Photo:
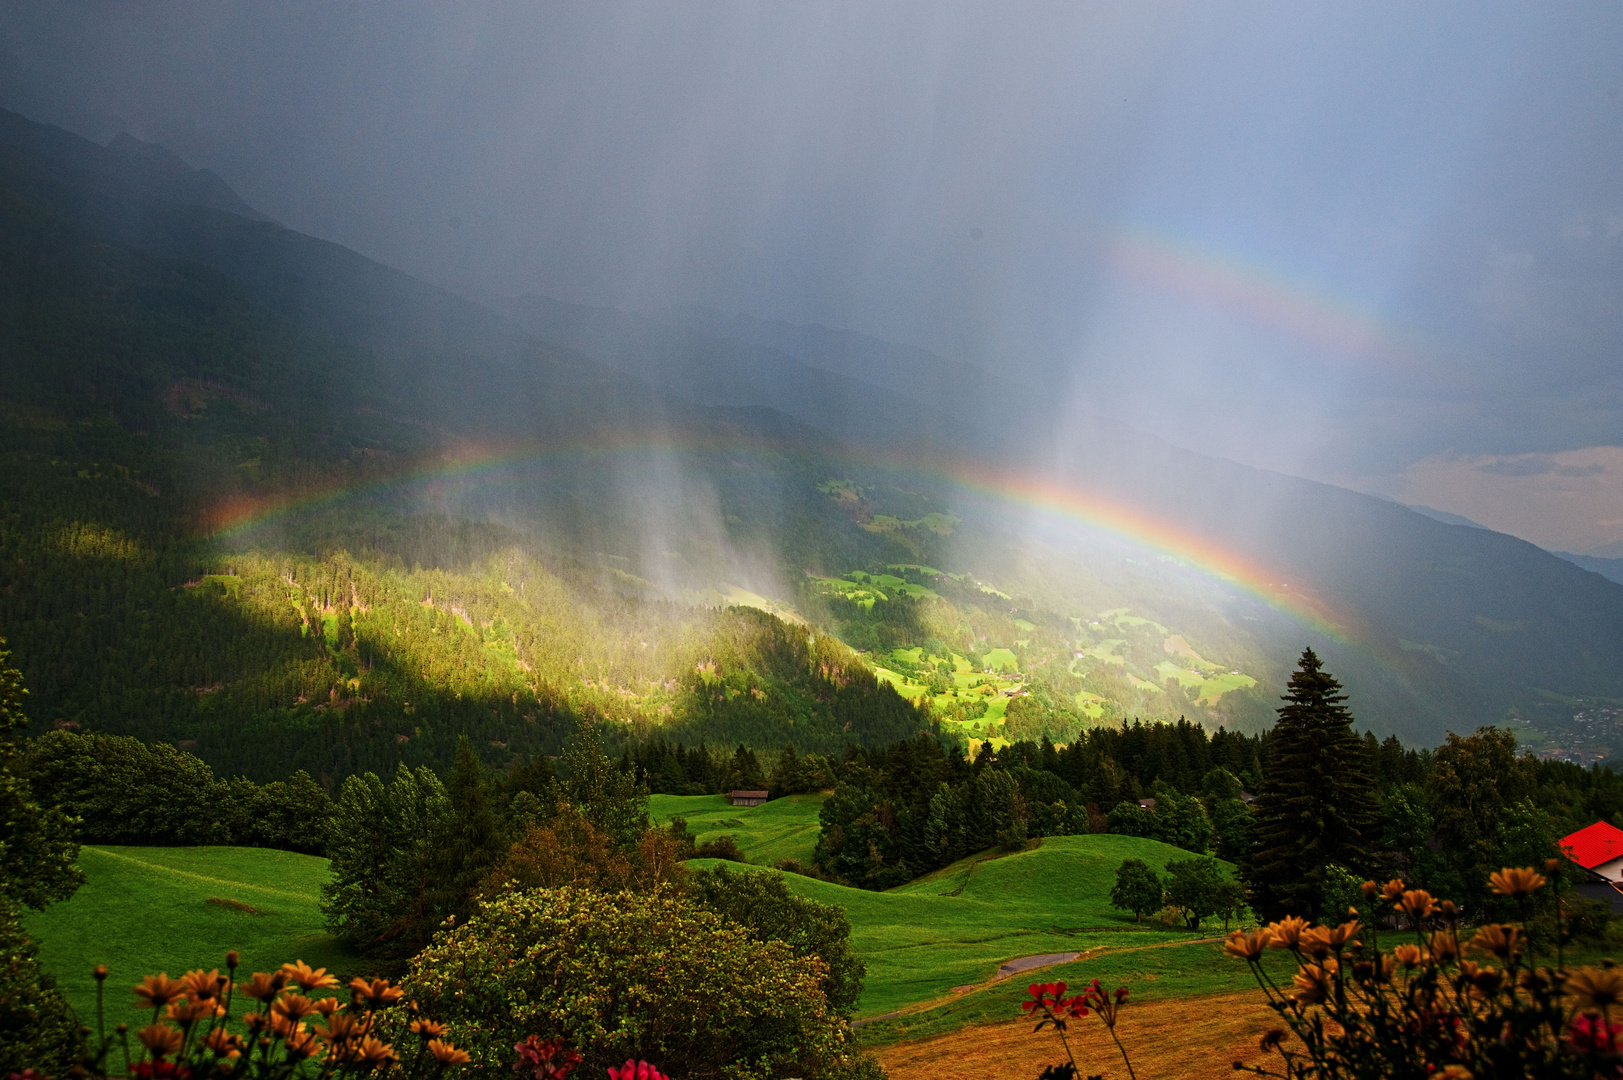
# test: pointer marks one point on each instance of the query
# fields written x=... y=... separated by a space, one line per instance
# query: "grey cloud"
x=955 y=176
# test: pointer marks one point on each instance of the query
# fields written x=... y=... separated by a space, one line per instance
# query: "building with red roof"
x=1598 y=848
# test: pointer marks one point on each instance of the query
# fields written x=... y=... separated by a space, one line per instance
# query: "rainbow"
x=475 y=464
x=1146 y=258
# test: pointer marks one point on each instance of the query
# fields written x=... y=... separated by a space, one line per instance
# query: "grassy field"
x=782 y=829
x=932 y=947
x=954 y=928
x=143 y=910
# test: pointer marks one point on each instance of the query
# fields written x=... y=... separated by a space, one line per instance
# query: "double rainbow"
x=481 y=465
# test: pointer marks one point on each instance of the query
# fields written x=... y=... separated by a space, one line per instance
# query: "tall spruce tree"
x=1317 y=806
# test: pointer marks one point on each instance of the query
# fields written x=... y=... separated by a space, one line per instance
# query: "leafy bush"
x=628 y=975
x=37 y=867
x=721 y=847
x=37 y=1026
x=763 y=904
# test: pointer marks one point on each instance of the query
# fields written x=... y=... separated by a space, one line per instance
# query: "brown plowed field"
x=1168 y=1040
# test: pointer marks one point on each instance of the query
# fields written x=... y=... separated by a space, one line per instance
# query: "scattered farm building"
x=1597 y=849
x=746 y=798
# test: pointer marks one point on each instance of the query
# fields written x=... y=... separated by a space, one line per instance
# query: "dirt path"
x=1174 y=1039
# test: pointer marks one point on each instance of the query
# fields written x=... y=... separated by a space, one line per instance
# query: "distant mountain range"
x=136 y=285
x=1610 y=568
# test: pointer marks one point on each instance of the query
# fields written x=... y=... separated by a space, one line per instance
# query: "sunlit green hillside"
x=955 y=928
x=144 y=910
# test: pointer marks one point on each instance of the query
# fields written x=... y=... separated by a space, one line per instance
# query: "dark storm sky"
x=1378 y=244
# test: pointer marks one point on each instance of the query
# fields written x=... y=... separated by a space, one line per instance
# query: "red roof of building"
x=1594 y=844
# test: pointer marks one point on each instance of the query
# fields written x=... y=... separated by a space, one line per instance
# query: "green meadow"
x=953 y=929
x=144 y=910
x=933 y=946
x=781 y=829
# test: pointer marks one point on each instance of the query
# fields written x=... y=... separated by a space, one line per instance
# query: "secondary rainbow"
x=1272 y=300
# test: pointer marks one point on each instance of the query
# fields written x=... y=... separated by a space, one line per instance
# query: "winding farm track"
x=1196 y=1038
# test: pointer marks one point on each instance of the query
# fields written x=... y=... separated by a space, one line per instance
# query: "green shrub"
x=625 y=975
x=763 y=904
x=37 y=1026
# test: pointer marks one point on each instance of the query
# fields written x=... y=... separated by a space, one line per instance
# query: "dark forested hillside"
x=174 y=368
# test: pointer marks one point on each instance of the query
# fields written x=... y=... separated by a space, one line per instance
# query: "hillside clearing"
x=144 y=910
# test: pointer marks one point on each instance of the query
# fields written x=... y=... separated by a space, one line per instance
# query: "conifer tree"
x=1317 y=805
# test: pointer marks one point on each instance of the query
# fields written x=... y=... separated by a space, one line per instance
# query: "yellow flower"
x=1392 y=890
x=376 y=994
x=1286 y=933
x=160 y=1039
x=263 y=987
x=200 y=985
x=186 y=1013
x=1416 y=903
x=1272 y=1038
x=428 y=1029
x=342 y=1027
x=1516 y=883
x=156 y=991
x=1410 y=956
x=328 y=1005
x=1485 y=981
x=1454 y=1072
x=301 y=1044
x=1247 y=946
x=1311 y=985
x=374 y=1053
x=293 y=1006
x=446 y=1054
x=1595 y=988
x=1316 y=942
x=1500 y=939
x=307 y=978
x=1443 y=947
x=222 y=1043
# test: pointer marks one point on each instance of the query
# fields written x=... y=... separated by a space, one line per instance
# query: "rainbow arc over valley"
x=486 y=464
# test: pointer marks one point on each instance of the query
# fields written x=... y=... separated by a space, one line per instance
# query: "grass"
x=1002 y=659
x=144 y=910
x=781 y=829
x=956 y=926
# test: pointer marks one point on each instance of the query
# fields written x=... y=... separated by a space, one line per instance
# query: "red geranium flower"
x=1592 y=1035
x=545 y=1060
x=636 y=1070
